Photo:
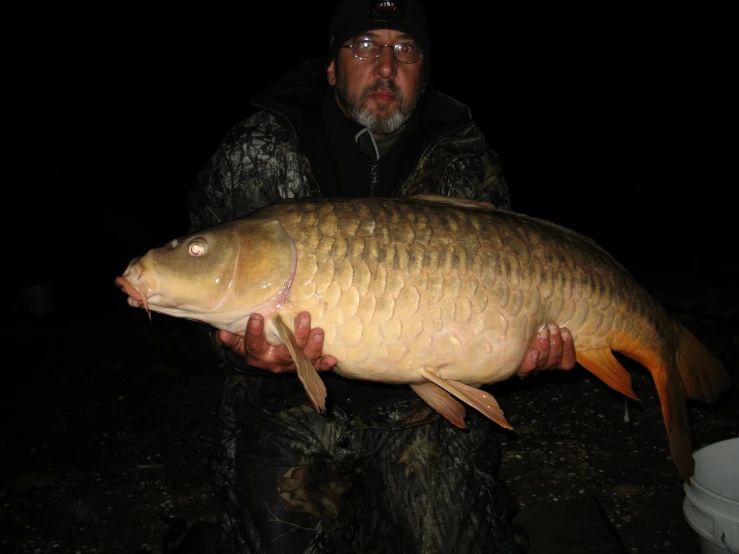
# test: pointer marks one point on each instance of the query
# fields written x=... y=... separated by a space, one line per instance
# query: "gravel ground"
x=106 y=438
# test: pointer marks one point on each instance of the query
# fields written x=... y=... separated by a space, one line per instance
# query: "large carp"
x=438 y=293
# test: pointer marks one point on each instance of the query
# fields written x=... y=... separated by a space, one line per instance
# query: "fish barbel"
x=442 y=294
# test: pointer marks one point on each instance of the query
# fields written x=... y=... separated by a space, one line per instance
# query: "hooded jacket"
x=298 y=143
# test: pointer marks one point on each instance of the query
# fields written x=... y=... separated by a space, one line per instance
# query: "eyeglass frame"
x=379 y=50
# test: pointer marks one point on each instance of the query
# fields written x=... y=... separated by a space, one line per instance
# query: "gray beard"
x=386 y=121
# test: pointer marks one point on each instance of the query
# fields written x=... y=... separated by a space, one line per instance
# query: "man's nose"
x=386 y=64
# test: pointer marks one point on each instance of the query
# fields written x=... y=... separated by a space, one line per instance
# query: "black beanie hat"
x=354 y=17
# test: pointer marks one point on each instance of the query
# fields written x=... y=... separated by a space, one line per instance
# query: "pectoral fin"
x=314 y=386
x=441 y=401
x=478 y=399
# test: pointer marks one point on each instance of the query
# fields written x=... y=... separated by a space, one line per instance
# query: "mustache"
x=383 y=86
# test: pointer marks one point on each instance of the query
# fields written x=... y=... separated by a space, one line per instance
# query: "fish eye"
x=197 y=247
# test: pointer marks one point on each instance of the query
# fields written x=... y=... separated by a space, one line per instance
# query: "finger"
x=529 y=362
x=224 y=338
x=327 y=363
x=568 y=350
x=254 y=341
x=232 y=341
x=555 y=349
x=542 y=344
x=314 y=347
x=302 y=329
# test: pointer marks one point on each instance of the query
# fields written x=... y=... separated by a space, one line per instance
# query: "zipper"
x=375 y=171
x=374 y=168
x=374 y=178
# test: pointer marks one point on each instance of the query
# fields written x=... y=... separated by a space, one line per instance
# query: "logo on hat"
x=385 y=10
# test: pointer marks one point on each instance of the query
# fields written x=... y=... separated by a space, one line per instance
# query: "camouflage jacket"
x=272 y=154
x=283 y=151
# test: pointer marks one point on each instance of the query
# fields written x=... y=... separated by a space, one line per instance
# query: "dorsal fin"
x=482 y=206
x=452 y=201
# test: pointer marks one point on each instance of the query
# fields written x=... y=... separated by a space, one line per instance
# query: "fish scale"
x=442 y=294
x=441 y=244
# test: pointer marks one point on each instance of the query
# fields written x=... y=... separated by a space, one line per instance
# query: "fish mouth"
x=135 y=298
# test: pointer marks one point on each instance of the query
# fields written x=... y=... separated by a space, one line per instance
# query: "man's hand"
x=553 y=348
x=260 y=353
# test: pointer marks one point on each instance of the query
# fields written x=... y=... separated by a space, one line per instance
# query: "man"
x=381 y=471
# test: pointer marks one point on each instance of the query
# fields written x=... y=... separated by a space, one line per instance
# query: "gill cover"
x=232 y=267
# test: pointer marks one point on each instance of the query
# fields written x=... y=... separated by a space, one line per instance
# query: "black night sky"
x=608 y=121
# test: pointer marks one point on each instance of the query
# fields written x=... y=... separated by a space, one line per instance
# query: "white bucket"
x=711 y=505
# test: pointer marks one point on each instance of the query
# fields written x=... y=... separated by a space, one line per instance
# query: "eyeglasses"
x=367 y=50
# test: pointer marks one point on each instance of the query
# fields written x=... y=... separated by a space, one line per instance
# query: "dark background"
x=612 y=120
x=615 y=120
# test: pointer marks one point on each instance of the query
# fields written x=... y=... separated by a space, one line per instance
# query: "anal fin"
x=312 y=382
x=441 y=401
x=603 y=364
x=478 y=399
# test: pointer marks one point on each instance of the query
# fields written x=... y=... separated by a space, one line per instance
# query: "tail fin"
x=681 y=371
x=703 y=375
x=604 y=365
x=674 y=404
